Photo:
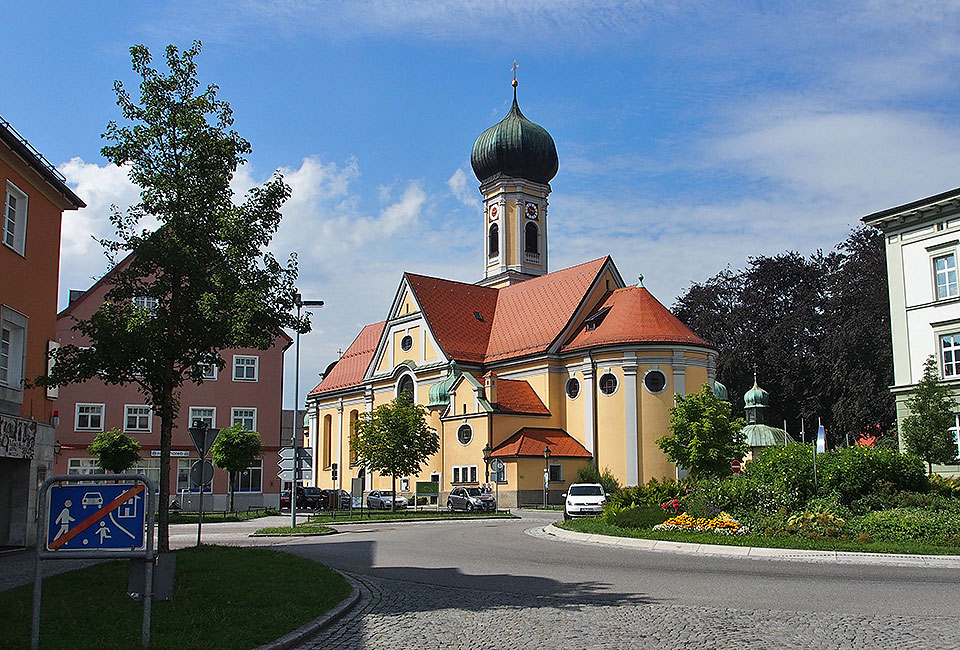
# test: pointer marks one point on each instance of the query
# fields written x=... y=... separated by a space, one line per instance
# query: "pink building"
x=248 y=390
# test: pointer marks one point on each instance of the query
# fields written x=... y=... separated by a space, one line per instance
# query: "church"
x=544 y=371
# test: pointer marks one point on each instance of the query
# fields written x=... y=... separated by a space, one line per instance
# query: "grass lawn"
x=302 y=529
x=224 y=598
x=182 y=517
x=599 y=527
x=379 y=515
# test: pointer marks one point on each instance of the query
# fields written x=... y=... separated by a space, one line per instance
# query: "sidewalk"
x=752 y=553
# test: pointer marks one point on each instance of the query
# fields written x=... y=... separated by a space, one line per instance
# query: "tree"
x=703 y=438
x=202 y=279
x=394 y=439
x=235 y=449
x=926 y=431
x=115 y=451
x=592 y=474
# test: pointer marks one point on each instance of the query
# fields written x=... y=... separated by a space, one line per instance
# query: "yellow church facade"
x=542 y=371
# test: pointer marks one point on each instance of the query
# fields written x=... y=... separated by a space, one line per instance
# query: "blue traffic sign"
x=96 y=517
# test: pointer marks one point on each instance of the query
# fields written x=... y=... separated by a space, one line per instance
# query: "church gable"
x=467 y=397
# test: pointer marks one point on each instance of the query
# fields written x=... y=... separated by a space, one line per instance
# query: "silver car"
x=470 y=499
x=382 y=498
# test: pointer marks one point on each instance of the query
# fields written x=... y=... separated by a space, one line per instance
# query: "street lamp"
x=296 y=411
x=486 y=459
x=57 y=448
x=546 y=475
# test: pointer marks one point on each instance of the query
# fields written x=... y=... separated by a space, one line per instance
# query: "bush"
x=653 y=493
x=735 y=494
x=817 y=525
x=946 y=486
x=782 y=477
x=881 y=500
x=857 y=471
x=590 y=474
x=639 y=517
x=911 y=525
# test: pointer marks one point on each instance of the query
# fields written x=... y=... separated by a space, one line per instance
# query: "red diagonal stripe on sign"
x=97 y=516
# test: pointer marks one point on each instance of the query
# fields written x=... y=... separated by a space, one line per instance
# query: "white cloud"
x=463 y=189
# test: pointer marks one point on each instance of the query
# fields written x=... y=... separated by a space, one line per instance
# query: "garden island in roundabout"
x=858 y=498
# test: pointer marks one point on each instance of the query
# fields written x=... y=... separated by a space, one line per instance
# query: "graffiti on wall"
x=18 y=437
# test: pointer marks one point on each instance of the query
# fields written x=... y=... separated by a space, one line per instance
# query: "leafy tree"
x=235 y=449
x=204 y=268
x=803 y=323
x=703 y=438
x=115 y=451
x=926 y=431
x=394 y=439
x=591 y=474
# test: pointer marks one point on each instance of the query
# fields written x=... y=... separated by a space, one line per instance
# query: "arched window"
x=531 y=236
x=493 y=241
x=327 y=435
x=405 y=387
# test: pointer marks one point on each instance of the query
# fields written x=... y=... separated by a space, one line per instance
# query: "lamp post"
x=486 y=459
x=296 y=410
x=546 y=475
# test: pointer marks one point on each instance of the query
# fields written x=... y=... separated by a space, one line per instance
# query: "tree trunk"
x=929 y=468
x=233 y=488
x=166 y=436
x=393 y=492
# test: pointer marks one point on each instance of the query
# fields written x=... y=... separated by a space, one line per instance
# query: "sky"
x=690 y=135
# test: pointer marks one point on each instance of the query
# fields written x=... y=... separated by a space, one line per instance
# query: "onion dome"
x=515 y=148
x=440 y=391
x=721 y=391
x=756 y=396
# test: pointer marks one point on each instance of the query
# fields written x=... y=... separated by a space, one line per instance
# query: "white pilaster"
x=629 y=365
x=679 y=373
x=588 y=390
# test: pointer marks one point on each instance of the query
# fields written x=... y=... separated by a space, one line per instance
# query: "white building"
x=922 y=244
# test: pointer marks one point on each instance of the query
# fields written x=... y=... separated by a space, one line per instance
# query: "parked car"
x=303 y=499
x=342 y=498
x=313 y=498
x=583 y=500
x=470 y=499
x=382 y=499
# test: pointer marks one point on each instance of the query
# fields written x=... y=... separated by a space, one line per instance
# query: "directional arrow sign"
x=306 y=474
x=305 y=453
x=288 y=463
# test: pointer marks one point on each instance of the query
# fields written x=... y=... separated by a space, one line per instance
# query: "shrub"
x=590 y=474
x=817 y=525
x=698 y=505
x=911 y=525
x=947 y=486
x=653 y=493
x=933 y=501
x=639 y=517
x=782 y=477
x=735 y=494
x=857 y=471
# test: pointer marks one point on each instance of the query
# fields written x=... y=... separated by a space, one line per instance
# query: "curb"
x=759 y=553
x=329 y=532
x=304 y=632
x=416 y=520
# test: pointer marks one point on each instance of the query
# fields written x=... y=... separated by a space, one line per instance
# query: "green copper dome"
x=756 y=396
x=515 y=148
x=721 y=391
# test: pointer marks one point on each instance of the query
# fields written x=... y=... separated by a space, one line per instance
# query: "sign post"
x=95 y=521
x=203 y=438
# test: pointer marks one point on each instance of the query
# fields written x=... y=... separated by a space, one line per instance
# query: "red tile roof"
x=635 y=316
x=532 y=314
x=518 y=397
x=449 y=309
x=530 y=441
x=351 y=367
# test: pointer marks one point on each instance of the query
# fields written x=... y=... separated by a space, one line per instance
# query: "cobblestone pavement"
x=401 y=614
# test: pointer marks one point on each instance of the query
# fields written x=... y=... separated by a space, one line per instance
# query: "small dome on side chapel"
x=756 y=396
x=515 y=147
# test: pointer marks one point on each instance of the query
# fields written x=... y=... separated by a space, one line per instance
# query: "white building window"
x=245 y=368
x=956 y=432
x=251 y=479
x=184 y=484
x=89 y=417
x=246 y=417
x=148 y=466
x=138 y=418
x=608 y=383
x=206 y=413
x=945 y=276
x=15 y=219
x=950 y=355
x=146 y=302
x=13 y=338
x=208 y=371
x=464 y=474
x=83 y=466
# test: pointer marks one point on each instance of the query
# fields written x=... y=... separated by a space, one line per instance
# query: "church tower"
x=514 y=160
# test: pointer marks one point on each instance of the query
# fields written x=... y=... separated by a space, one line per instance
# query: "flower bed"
x=722 y=524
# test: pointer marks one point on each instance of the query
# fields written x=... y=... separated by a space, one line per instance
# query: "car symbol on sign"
x=92 y=499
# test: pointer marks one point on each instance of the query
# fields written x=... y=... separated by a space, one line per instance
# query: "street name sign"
x=96 y=517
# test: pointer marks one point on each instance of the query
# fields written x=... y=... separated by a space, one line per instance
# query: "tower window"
x=405 y=389
x=493 y=241
x=531 y=237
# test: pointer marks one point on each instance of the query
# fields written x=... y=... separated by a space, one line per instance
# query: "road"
x=491 y=584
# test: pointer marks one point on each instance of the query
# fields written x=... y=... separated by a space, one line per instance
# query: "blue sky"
x=690 y=135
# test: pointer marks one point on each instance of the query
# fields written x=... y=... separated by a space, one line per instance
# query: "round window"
x=464 y=434
x=573 y=387
x=608 y=383
x=655 y=381
x=406 y=343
